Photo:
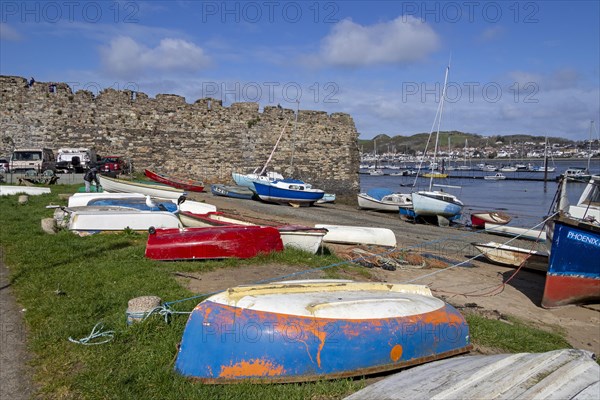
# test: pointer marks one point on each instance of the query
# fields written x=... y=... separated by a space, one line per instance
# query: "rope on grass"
x=96 y=333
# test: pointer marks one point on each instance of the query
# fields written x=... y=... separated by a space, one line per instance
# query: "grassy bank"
x=68 y=284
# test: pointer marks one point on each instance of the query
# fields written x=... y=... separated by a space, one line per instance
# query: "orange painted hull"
x=228 y=344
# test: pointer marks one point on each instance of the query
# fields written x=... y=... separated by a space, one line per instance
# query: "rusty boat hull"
x=301 y=331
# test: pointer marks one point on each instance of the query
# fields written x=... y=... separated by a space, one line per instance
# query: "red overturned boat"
x=479 y=218
x=212 y=242
x=185 y=184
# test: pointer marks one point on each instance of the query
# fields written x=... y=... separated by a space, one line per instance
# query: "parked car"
x=117 y=164
x=4 y=165
x=35 y=159
x=75 y=159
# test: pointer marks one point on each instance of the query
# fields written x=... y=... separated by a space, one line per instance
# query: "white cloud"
x=8 y=33
x=405 y=39
x=125 y=57
x=491 y=34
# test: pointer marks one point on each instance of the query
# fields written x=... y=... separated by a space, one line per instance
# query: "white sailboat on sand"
x=433 y=203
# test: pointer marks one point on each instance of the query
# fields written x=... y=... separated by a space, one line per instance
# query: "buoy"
x=49 y=225
x=138 y=308
x=23 y=199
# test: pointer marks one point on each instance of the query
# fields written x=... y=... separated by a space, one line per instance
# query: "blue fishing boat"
x=300 y=331
x=287 y=191
x=573 y=269
x=234 y=191
x=139 y=203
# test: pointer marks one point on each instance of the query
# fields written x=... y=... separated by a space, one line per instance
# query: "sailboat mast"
x=294 y=135
x=590 y=147
x=437 y=136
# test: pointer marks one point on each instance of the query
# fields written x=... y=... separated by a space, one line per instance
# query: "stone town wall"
x=203 y=140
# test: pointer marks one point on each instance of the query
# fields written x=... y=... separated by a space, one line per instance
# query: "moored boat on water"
x=212 y=242
x=123 y=186
x=322 y=329
x=499 y=176
x=190 y=185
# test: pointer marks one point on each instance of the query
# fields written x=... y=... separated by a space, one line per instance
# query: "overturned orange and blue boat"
x=298 y=331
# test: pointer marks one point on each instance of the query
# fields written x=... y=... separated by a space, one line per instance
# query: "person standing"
x=91 y=175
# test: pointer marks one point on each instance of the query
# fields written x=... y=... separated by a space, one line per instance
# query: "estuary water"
x=528 y=202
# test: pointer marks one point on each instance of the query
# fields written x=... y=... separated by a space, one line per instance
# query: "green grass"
x=513 y=335
x=67 y=284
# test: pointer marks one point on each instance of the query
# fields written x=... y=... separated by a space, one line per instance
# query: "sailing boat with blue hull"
x=430 y=203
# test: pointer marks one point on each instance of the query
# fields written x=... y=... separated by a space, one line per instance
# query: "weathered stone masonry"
x=203 y=140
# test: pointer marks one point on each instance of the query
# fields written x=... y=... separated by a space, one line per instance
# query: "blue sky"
x=516 y=67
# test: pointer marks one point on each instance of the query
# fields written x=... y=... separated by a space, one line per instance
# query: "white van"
x=75 y=159
x=36 y=159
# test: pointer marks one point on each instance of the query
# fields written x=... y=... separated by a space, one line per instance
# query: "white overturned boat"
x=522 y=233
x=558 y=374
x=383 y=200
x=85 y=199
x=513 y=256
x=110 y=218
x=345 y=234
x=7 y=190
x=122 y=186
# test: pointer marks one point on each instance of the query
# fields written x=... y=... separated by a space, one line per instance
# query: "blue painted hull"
x=240 y=192
x=279 y=195
x=138 y=204
x=574 y=267
x=226 y=344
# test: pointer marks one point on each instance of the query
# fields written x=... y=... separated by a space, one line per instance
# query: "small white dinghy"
x=513 y=256
x=345 y=234
x=302 y=237
x=123 y=186
x=110 y=218
x=7 y=190
x=558 y=374
x=84 y=199
x=522 y=233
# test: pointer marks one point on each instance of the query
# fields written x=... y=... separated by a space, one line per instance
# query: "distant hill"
x=414 y=143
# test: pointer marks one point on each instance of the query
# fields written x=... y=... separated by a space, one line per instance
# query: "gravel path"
x=15 y=376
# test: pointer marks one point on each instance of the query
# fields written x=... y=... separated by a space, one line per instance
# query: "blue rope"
x=93 y=335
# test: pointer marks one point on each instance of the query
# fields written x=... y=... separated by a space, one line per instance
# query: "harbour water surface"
x=528 y=202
